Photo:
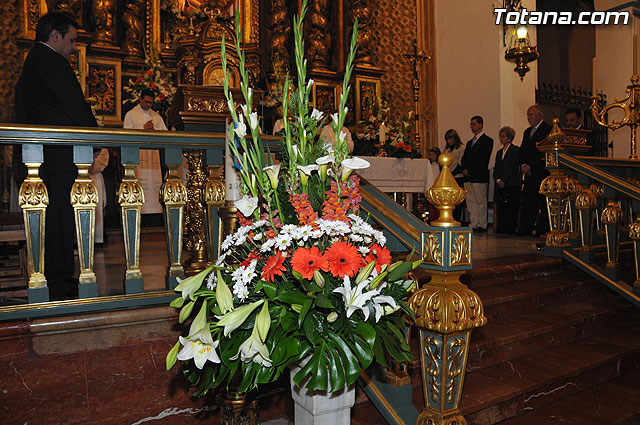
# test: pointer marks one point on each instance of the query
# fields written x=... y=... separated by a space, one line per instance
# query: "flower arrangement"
x=304 y=276
x=400 y=139
x=154 y=79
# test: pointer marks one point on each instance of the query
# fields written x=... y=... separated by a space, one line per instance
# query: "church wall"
x=11 y=60
x=614 y=65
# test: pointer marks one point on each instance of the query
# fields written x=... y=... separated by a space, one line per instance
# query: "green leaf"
x=309 y=327
x=319 y=379
x=292 y=297
x=364 y=352
x=269 y=289
x=307 y=369
x=367 y=332
x=336 y=369
x=351 y=367
x=185 y=311
x=172 y=355
x=303 y=312
x=399 y=271
x=200 y=321
x=323 y=302
x=177 y=303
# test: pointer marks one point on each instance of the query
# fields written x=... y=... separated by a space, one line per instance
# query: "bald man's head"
x=534 y=115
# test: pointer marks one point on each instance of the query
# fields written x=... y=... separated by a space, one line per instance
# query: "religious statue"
x=280 y=25
x=103 y=14
x=70 y=7
x=132 y=22
x=319 y=35
x=363 y=13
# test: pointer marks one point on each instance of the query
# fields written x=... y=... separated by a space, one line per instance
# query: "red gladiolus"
x=306 y=260
x=380 y=255
x=150 y=72
x=407 y=148
x=139 y=79
x=274 y=267
x=400 y=144
x=343 y=259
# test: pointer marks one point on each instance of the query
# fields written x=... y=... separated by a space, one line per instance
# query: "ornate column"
x=446 y=310
x=131 y=198
x=104 y=12
x=586 y=204
x=194 y=219
x=214 y=197
x=557 y=188
x=362 y=11
x=634 y=235
x=280 y=25
x=84 y=198
x=612 y=220
x=319 y=37
x=173 y=196
x=598 y=190
x=34 y=198
x=132 y=17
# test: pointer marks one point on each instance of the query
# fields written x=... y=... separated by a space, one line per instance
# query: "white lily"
x=233 y=320
x=272 y=172
x=247 y=205
x=191 y=284
x=253 y=120
x=315 y=114
x=323 y=163
x=253 y=349
x=350 y=164
x=244 y=109
x=356 y=298
x=305 y=172
x=223 y=295
x=199 y=347
x=241 y=128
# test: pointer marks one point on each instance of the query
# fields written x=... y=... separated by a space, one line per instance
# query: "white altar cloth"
x=398 y=174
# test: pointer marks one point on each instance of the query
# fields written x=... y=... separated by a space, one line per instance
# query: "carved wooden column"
x=104 y=13
x=34 y=198
x=612 y=221
x=279 y=23
x=319 y=38
x=84 y=198
x=132 y=21
x=131 y=198
x=173 y=196
x=195 y=214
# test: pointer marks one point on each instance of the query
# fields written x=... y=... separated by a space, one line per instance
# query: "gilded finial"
x=445 y=194
x=556 y=136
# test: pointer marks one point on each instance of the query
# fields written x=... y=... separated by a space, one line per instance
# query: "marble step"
x=614 y=403
x=490 y=272
x=515 y=387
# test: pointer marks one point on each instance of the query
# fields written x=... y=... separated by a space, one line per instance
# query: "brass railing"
x=592 y=203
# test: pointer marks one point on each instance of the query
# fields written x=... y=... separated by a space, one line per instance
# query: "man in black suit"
x=48 y=93
x=533 y=211
x=475 y=168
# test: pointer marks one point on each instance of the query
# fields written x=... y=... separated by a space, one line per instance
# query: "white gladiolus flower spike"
x=317 y=115
x=247 y=205
x=241 y=128
x=253 y=120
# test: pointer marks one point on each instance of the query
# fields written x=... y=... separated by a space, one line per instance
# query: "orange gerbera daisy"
x=343 y=259
x=380 y=255
x=306 y=260
x=274 y=267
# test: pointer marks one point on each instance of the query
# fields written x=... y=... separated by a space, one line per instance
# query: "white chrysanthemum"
x=288 y=228
x=316 y=234
x=356 y=238
x=258 y=236
x=212 y=280
x=240 y=290
x=367 y=240
x=228 y=241
x=363 y=250
x=303 y=232
x=268 y=245
x=380 y=238
x=259 y=223
x=283 y=241
x=220 y=260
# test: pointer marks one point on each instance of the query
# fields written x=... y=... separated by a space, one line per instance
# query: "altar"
x=399 y=175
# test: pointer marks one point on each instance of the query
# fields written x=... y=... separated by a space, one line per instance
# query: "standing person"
x=150 y=171
x=475 y=168
x=48 y=93
x=508 y=178
x=533 y=211
x=454 y=147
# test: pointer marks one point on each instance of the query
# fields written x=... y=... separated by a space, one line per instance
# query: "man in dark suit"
x=533 y=211
x=48 y=93
x=475 y=168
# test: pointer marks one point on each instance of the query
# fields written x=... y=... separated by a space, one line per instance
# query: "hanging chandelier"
x=520 y=51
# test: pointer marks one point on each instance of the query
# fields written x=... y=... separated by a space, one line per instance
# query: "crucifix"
x=417 y=57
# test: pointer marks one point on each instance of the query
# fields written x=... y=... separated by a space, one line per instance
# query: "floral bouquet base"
x=321 y=407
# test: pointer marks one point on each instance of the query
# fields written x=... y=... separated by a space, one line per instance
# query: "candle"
x=593 y=66
x=231 y=178
x=383 y=133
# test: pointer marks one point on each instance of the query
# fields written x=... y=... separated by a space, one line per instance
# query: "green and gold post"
x=446 y=310
x=173 y=195
x=214 y=197
x=612 y=220
x=34 y=198
x=586 y=202
x=84 y=199
x=131 y=198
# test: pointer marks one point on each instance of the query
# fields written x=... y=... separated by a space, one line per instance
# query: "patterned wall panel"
x=395 y=28
x=10 y=12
